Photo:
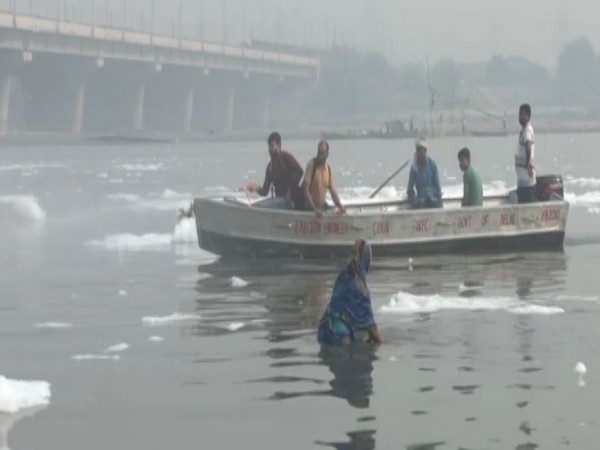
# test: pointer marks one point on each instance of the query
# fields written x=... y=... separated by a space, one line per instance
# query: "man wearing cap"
x=425 y=179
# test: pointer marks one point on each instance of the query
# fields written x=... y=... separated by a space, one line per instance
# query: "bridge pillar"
x=79 y=107
x=55 y=93
x=229 y=109
x=188 y=110
x=138 y=111
x=5 y=93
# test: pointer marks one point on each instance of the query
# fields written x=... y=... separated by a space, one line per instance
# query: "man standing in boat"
x=526 y=177
x=472 y=187
x=424 y=177
x=284 y=174
x=318 y=180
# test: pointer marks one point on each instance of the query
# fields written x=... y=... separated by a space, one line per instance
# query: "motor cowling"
x=549 y=187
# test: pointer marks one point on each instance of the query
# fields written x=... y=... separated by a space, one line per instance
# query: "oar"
x=390 y=178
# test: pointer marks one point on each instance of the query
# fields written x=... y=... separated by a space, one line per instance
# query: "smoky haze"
x=429 y=65
x=465 y=30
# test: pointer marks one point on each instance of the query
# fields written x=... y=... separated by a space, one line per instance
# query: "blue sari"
x=349 y=315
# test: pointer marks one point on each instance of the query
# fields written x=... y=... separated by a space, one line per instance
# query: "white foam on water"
x=185 y=231
x=31 y=167
x=132 y=198
x=54 y=325
x=26 y=206
x=117 y=348
x=405 y=303
x=168 y=200
x=496 y=187
x=580 y=370
x=237 y=282
x=165 y=320
x=102 y=175
x=530 y=309
x=591 y=198
x=594 y=210
x=217 y=189
x=452 y=190
x=142 y=167
x=8 y=420
x=362 y=193
x=579 y=298
x=194 y=256
x=17 y=395
x=156 y=339
x=583 y=182
x=235 y=326
x=259 y=321
x=122 y=293
x=468 y=289
x=93 y=357
x=132 y=242
x=169 y=193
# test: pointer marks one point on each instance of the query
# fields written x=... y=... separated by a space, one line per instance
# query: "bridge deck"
x=34 y=34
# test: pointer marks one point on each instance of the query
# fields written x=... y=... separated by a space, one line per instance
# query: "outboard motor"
x=549 y=187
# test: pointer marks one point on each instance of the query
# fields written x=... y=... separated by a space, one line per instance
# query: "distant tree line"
x=355 y=83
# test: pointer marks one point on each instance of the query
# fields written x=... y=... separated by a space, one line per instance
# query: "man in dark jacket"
x=283 y=174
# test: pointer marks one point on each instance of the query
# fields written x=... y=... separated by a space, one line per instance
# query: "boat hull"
x=232 y=229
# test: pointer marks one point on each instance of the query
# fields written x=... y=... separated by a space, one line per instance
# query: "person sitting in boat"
x=349 y=315
x=283 y=174
x=424 y=177
x=318 y=180
x=472 y=187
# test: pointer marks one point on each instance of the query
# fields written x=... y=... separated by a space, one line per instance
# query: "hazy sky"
x=466 y=30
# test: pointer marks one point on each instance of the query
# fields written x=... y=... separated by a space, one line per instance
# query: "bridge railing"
x=80 y=30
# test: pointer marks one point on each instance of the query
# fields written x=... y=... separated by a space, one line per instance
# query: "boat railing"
x=397 y=204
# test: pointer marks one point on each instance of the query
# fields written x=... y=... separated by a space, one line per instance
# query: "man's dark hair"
x=464 y=153
x=526 y=109
x=323 y=142
x=274 y=137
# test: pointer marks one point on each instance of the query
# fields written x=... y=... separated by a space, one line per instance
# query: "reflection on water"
x=7 y=421
x=473 y=378
x=352 y=369
x=471 y=274
x=286 y=298
x=441 y=353
x=426 y=446
x=359 y=440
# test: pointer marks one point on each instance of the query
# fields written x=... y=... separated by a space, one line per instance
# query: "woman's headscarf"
x=351 y=297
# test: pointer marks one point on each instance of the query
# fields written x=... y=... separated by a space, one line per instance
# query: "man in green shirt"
x=472 y=188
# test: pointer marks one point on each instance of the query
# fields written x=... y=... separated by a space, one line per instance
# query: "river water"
x=149 y=342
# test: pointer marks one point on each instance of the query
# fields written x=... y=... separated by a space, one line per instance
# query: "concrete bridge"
x=71 y=77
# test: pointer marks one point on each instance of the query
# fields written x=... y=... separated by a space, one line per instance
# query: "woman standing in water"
x=349 y=315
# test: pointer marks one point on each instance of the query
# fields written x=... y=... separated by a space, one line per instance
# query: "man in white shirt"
x=526 y=178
